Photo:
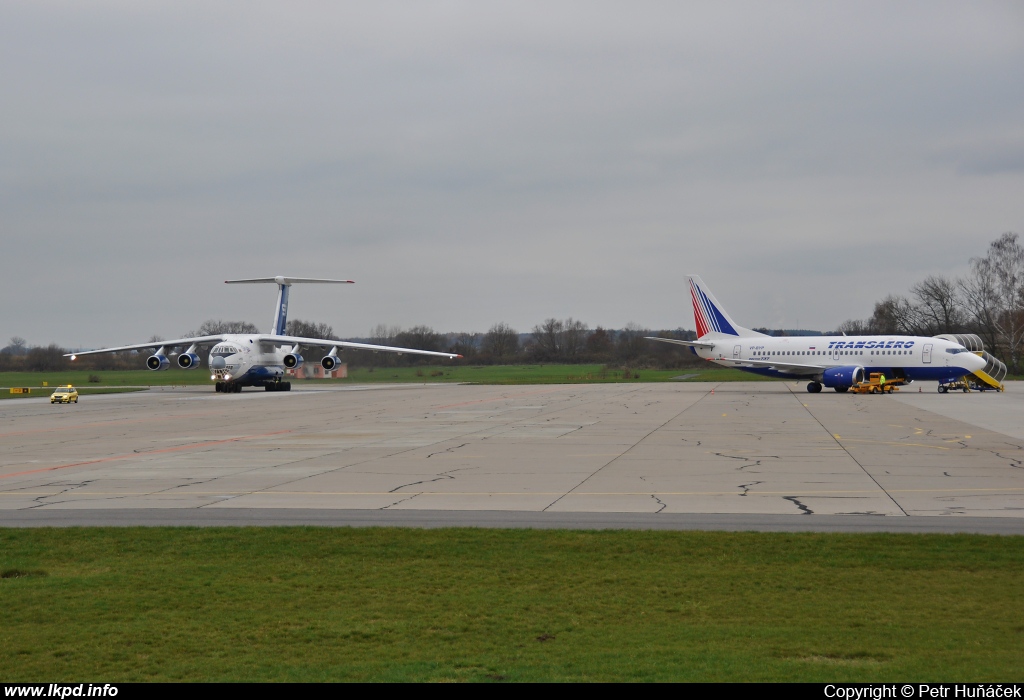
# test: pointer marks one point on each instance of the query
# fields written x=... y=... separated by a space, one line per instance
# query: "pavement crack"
x=746 y=487
x=795 y=501
x=401 y=500
x=440 y=477
x=450 y=449
x=660 y=503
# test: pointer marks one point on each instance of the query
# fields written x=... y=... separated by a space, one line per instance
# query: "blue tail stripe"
x=708 y=315
x=718 y=319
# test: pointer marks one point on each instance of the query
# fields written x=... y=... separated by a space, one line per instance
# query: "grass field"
x=490 y=374
x=309 y=604
x=83 y=391
x=540 y=374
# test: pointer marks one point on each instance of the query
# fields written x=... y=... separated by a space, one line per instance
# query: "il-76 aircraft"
x=244 y=359
x=837 y=362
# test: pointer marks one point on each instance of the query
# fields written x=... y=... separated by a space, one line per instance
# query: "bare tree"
x=600 y=344
x=383 y=334
x=547 y=339
x=48 y=359
x=309 y=329
x=854 y=327
x=995 y=293
x=574 y=338
x=939 y=305
x=466 y=344
x=895 y=315
x=216 y=327
x=501 y=342
x=16 y=347
x=419 y=338
x=630 y=345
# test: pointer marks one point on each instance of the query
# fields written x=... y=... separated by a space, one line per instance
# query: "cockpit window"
x=956 y=351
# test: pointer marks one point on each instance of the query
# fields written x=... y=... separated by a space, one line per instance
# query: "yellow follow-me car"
x=64 y=394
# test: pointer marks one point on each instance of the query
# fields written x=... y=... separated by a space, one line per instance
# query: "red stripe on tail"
x=698 y=314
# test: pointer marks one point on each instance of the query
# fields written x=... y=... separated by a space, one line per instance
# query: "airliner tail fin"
x=708 y=314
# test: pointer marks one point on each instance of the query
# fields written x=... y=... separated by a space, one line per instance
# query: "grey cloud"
x=469 y=163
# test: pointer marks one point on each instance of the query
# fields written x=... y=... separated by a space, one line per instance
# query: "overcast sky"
x=475 y=162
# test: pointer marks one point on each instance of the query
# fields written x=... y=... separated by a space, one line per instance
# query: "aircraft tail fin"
x=708 y=314
x=283 y=283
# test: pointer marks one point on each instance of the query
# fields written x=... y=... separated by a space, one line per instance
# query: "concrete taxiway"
x=758 y=455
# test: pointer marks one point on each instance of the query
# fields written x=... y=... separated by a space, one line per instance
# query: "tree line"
x=555 y=341
x=988 y=301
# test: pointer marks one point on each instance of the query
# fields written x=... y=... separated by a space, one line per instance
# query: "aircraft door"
x=736 y=351
x=835 y=353
x=926 y=354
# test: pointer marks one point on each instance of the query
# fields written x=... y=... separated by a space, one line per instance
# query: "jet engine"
x=293 y=360
x=188 y=360
x=158 y=362
x=842 y=378
x=330 y=363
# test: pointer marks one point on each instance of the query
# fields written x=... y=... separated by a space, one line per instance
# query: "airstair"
x=995 y=371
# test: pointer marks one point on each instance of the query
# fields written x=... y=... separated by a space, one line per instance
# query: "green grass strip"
x=381 y=604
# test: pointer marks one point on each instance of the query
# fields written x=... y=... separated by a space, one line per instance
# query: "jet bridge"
x=995 y=371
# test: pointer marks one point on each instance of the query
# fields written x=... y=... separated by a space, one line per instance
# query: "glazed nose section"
x=217 y=363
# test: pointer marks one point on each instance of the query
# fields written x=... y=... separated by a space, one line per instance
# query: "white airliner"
x=837 y=362
x=243 y=359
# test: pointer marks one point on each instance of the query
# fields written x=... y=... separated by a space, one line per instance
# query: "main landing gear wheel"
x=842 y=389
x=218 y=387
x=813 y=387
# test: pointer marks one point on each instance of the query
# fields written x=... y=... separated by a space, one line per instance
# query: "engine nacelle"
x=293 y=360
x=330 y=363
x=158 y=362
x=188 y=360
x=842 y=376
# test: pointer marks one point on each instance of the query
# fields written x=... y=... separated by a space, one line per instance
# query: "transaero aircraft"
x=837 y=362
x=238 y=360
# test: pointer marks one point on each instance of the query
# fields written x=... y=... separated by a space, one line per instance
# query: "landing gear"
x=842 y=389
x=218 y=387
x=278 y=386
x=227 y=388
x=813 y=387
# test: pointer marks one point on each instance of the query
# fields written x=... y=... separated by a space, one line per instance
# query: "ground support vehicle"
x=64 y=394
x=874 y=385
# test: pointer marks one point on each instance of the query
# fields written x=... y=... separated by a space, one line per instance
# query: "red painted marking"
x=500 y=398
x=698 y=312
x=115 y=458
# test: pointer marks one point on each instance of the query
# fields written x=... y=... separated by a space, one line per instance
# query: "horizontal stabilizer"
x=688 y=343
x=288 y=280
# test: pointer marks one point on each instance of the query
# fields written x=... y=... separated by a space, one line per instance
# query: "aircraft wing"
x=687 y=343
x=322 y=343
x=178 y=342
x=789 y=367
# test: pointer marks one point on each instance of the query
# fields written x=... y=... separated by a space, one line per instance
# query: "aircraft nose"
x=217 y=363
x=975 y=362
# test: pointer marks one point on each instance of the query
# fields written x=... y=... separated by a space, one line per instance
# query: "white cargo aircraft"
x=243 y=359
x=837 y=362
